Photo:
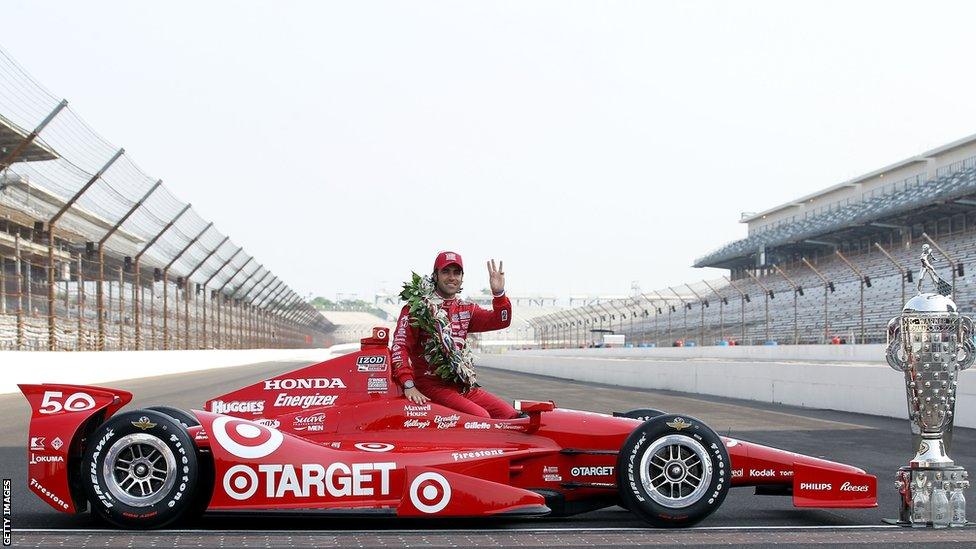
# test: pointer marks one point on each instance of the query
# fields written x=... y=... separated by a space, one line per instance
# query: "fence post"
x=29 y=138
x=20 y=292
x=9 y=159
x=121 y=310
x=52 y=321
x=165 y=284
x=3 y=285
x=215 y=273
x=81 y=302
x=152 y=310
x=220 y=291
x=50 y=229
x=138 y=268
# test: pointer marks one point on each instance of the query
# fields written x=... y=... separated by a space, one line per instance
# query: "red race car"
x=339 y=438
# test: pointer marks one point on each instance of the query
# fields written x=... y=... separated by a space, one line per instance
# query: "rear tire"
x=140 y=470
x=187 y=419
x=204 y=489
x=673 y=471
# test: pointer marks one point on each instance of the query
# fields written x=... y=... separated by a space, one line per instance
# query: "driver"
x=410 y=369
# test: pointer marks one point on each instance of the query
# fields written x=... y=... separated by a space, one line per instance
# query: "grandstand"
x=837 y=264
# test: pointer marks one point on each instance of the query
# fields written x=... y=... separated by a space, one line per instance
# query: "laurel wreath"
x=451 y=359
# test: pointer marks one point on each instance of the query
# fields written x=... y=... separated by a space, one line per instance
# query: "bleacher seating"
x=882 y=301
x=946 y=187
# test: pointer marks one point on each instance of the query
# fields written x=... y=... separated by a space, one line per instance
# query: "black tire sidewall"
x=186 y=418
x=643 y=414
x=632 y=491
x=179 y=498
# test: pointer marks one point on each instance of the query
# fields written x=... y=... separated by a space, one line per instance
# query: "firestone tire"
x=673 y=471
x=140 y=470
x=204 y=488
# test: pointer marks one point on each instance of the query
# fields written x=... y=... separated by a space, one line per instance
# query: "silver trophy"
x=931 y=343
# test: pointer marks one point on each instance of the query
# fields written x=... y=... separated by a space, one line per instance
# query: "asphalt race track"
x=876 y=444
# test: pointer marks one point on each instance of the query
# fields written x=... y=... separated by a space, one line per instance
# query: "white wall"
x=856 y=353
x=853 y=385
x=89 y=368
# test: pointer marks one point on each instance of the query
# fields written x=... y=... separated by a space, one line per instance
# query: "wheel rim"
x=675 y=471
x=139 y=470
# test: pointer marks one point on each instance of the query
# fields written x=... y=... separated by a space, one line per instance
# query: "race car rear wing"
x=61 y=418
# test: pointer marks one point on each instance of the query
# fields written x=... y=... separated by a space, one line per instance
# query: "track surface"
x=878 y=445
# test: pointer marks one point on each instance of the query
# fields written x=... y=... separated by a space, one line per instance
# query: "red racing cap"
x=448 y=258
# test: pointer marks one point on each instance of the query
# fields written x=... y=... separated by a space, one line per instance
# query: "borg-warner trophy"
x=931 y=343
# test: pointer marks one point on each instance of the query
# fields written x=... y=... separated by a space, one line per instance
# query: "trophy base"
x=931 y=454
x=912 y=479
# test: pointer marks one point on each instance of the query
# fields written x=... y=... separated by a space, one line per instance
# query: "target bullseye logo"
x=240 y=482
x=430 y=492
x=246 y=439
x=374 y=446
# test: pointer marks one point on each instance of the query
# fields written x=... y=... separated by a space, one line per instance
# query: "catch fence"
x=95 y=254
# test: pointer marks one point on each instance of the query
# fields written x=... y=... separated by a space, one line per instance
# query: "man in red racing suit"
x=412 y=372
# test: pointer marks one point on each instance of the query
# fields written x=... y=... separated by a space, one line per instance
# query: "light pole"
x=644 y=316
x=797 y=290
x=578 y=322
x=767 y=295
x=685 y=307
x=702 y=303
x=828 y=285
x=906 y=274
x=670 y=308
x=864 y=281
x=723 y=301
x=621 y=312
x=743 y=298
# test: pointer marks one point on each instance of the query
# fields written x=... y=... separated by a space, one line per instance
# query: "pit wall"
x=849 y=378
x=92 y=368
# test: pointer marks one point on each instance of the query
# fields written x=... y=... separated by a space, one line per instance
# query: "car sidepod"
x=258 y=467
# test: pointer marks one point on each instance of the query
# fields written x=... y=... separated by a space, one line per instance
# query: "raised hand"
x=496 y=277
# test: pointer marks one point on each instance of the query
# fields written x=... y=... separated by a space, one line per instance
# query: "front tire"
x=140 y=470
x=642 y=414
x=673 y=471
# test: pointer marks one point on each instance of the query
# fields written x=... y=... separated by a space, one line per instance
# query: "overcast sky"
x=587 y=144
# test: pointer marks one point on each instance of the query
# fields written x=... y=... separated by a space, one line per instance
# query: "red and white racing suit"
x=465 y=317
